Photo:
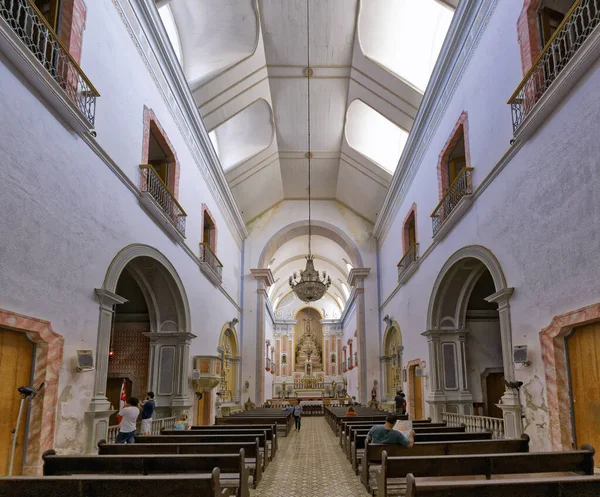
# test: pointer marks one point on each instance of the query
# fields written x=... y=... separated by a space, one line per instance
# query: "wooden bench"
x=201 y=485
x=271 y=431
x=373 y=453
x=254 y=460
x=565 y=486
x=233 y=470
x=395 y=469
x=359 y=441
x=267 y=433
x=281 y=418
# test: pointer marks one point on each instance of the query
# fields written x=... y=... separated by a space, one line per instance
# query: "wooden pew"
x=359 y=441
x=254 y=459
x=581 y=461
x=271 y=431
x=281 y=418
x=268 y=434
x=564 y=486
x=373 y=452
x=200 y=485
x=233 y=470
x=346 y=438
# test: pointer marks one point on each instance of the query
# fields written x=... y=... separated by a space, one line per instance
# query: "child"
x=351 y=412
x=181 y=423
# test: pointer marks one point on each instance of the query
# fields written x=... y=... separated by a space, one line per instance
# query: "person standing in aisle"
x=298 y=415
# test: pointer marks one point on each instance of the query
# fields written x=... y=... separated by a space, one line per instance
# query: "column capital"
x=501 y=297
x=357 y=275
x=263 y=275
x=108 y=299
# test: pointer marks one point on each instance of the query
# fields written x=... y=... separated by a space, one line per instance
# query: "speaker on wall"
x=520 y=354
x=85 y=360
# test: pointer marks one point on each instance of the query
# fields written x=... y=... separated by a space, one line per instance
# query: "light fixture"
x=310 y=287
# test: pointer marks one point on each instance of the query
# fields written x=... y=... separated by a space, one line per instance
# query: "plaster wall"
x=68 y=214
x=484 y=351
x=534 y=216
x=266 y=226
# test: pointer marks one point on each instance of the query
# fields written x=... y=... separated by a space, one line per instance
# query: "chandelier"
x=310 y=287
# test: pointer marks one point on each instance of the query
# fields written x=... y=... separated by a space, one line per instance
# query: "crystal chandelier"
x=310 y=287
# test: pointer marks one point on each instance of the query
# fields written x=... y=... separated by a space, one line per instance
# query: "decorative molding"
x=147 y=32
x=263 y=275
x=357 y=276
x=468 y=25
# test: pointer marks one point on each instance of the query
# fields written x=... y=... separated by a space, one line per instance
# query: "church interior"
x=242 y=240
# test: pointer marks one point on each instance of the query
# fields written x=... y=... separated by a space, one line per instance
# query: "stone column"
x=181 y=399
x=235 y=393
x=264 y=279
x=437 y=397
x=385 y=383
x=356 y=279
x=99 y=410
x=510 y=402
x=462 y=363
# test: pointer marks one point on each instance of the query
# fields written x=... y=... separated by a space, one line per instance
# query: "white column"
x=356 y=279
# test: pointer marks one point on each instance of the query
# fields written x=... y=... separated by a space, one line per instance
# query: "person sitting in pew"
x=351 y=412
x=385 y=434
x=181 y=423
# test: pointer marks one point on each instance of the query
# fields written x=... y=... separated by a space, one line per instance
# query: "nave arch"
x=168 y=318
x=462 y=314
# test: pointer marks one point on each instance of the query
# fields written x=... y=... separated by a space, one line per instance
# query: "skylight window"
x=405 y=36
x=244 y=135
x=374 y=136
x=346 y=290
x=169 y=23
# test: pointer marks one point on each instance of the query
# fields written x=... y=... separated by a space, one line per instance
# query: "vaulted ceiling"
x=246 y=61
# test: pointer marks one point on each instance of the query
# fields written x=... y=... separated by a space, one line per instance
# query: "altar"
x=309 y=393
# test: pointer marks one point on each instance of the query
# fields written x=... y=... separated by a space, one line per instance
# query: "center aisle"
x=309 y=463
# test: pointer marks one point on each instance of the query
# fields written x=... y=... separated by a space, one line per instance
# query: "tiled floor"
x=310 y=463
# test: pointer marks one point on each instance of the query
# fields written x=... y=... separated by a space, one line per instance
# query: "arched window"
x=454 y=158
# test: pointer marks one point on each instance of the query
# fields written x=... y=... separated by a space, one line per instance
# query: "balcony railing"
x=409 y=257
x=459 y=188
x=575 y=28
x=155 y=187
x=210 y=258
x=29 y=24
x=476 y=423
x=157 y=426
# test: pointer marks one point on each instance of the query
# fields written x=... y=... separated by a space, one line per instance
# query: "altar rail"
x=476 y=423
x=157 y=426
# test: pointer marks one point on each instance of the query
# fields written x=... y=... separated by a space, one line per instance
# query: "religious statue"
x=374 y=393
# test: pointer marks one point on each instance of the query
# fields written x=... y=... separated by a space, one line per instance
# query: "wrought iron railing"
x=30 y=25
x=476 y=423
x=576 y=27
x=207 y=255
x=408 y=258
x=156 y=427
x=459 y=188
x=154 y=186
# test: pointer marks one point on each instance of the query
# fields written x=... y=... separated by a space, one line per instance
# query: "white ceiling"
x=245 y=61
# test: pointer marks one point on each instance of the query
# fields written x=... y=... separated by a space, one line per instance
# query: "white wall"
x=350 y=326
x=534 y=217
x=484 y=351
x=70 y=214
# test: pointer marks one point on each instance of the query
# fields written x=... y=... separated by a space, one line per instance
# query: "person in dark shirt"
x=147 y=412
x=398 y=401
x=385 y=434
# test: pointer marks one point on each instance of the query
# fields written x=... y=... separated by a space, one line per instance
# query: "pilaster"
x=356 y=279
x=264 y=279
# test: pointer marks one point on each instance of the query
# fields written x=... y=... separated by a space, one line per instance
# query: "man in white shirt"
x=129 y=415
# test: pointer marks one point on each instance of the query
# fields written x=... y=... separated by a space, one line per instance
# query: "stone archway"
x=391 y=361
x=447 y=334
x=169 y=318
x=48 y=360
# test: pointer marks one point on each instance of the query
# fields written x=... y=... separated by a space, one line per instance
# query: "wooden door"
x=418 y=394
x=455 y=166
x=584 y=367
x=16 y=359
x=412 y=232
x=494 y=385
x=113 y=394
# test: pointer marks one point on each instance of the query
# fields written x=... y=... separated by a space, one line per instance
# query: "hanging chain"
x=308 y=100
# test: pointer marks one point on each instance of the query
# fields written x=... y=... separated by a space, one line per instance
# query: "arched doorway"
x=470 y=339
x=392 y=361
x=229 y=352
x=151 y=331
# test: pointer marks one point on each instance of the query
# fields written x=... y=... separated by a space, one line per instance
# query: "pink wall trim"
x=48 y=360
x=151 y=123
x=461 y=128
x=214 y=234
x=528 y=33
x=409 y=391
x=554 y=357
x=412 y=211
